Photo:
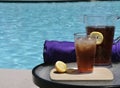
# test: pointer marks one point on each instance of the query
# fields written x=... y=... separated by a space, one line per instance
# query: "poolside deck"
x=10 y=78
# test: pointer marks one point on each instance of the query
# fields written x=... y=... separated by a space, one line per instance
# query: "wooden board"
x=99 y=73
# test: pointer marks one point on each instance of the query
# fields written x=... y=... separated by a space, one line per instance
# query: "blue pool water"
x=25 y=26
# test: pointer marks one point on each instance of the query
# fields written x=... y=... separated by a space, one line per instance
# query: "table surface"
x=42 y=72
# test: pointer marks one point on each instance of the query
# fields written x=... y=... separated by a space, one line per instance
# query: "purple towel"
x=65 y=51
x=58 y=50
x=116 y=52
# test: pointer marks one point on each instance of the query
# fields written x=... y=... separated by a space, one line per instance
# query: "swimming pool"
x=25 y=26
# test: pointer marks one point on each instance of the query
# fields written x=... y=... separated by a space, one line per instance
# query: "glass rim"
x=96 y=15
x=83 y=35
x=80 y=33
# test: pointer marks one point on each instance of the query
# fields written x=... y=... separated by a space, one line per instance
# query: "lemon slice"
x=60 y=66
x=99 y=37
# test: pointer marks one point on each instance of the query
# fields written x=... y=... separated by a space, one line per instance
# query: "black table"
x=41 y=77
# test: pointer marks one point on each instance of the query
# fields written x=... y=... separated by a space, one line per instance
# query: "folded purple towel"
x=116 y=52
x=58 y=50
x=65 y=51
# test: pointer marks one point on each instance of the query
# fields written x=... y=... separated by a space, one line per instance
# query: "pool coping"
x=35 y=1
x=12 y=78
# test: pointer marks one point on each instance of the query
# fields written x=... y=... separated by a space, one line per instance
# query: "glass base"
x=104 y=65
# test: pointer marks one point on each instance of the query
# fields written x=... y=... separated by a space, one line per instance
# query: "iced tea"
x=103 y=50
x=85 y=48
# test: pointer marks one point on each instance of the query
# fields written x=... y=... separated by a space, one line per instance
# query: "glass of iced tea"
x=85 y=48
x=102 y=28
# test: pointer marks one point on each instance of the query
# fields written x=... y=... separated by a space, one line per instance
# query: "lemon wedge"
x=60 y=66
x=99 y=37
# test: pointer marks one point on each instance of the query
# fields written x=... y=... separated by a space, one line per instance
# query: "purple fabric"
x=116 y=52
x=58 y=50
x=65 y=51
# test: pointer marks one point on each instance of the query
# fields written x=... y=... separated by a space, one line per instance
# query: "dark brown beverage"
x=103 y=50
x=85 y=54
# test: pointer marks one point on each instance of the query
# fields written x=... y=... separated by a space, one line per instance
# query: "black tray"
x=41 y=77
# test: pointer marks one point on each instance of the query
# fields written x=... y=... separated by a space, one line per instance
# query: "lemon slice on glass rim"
x=60 y=66
x=98 y=36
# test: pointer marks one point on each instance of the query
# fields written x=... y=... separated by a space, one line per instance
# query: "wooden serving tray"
x=99 y=73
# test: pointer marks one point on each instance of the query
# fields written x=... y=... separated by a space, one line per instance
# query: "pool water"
x=25 y=26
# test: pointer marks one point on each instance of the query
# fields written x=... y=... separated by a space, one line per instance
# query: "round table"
x=41 y=77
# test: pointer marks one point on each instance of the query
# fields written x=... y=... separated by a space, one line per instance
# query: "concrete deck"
x=10 y=78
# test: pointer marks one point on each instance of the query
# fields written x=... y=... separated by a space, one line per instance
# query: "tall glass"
x=85 y=48
x=105 y=26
